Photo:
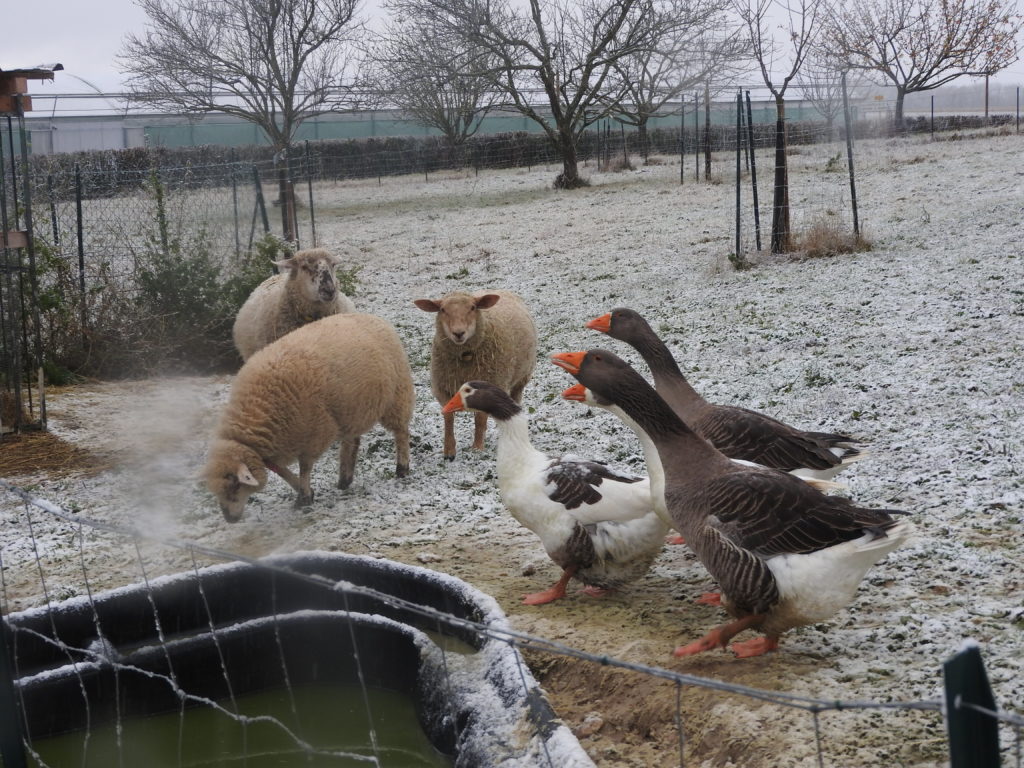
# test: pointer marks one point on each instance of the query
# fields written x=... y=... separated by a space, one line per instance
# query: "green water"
x=330 y=718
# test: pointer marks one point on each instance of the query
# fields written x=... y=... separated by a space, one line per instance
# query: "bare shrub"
x=825 y=238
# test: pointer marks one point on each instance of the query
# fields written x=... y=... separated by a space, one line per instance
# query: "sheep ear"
x=245 y=476
x=284 y=265
x=427 y=305
x=487 y=301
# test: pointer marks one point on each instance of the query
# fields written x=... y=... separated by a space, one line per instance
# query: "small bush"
x=824 y=238
x=172 y=312
x=739 y=262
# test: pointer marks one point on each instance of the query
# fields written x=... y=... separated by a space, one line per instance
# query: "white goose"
x=785 y=554
x=597 y=524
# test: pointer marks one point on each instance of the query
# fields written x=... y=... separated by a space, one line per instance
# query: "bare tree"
x=431 y=76
x=821 y=79
x=688 y=55
x=273 y=63
x=797 y=23
x=552 y=58
x=919 y=45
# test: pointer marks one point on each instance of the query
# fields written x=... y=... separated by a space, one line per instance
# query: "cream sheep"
x=329 y=380
x=486 y=336
x=304 y=291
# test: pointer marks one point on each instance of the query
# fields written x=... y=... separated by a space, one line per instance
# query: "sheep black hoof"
x=402 y=470
x=343 y=484
x=450 y=458
x=303 y=501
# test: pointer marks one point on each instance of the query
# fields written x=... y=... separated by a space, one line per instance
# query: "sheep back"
x=328 y=380
x=286 y=301
x=335 y=377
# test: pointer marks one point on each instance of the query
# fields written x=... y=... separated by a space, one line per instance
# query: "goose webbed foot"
x=719 y=637
x=596 y=591
x=674 y=538
x=547 y=596
x=755 y=647
x=710 y=641
x=550 y=595
x=710 y=598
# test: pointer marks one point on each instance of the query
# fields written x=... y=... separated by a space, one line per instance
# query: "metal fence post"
x=682 y=139
x=261 y=204
x=739 y=168
x=849 y=156
x=973 y=735
x=753 y=172
x=232 y=172
x=312 y=207
x=80 y=233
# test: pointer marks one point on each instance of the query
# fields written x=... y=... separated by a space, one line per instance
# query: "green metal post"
x=973 y=735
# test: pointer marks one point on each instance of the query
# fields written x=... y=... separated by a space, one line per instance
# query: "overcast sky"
x=86 y=35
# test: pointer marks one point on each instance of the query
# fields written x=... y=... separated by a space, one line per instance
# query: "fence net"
x=154 y=647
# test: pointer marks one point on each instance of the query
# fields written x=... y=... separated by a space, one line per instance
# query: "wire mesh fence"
x=123 y=638
x=112 y=229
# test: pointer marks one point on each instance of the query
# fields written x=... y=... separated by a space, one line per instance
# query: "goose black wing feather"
x=771 y=513
x=743 y=434
x=574 y=482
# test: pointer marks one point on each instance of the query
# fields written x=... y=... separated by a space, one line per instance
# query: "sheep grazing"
x=486 y=336
x=306 y=290
x=329 y=380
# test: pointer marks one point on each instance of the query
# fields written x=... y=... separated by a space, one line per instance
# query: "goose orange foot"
x=550 y=595
x=711 y=640
x=719 y=637
x=675 y=539
x=710 y=598
x=755 y=647
x=595 y=591
x=547 y=596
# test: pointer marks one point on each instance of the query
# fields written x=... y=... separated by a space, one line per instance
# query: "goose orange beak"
x=602 y=323
x=570 y=361
x=455 y=404
x=576 y=392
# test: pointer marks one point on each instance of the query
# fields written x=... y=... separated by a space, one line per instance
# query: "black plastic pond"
x=130 y=652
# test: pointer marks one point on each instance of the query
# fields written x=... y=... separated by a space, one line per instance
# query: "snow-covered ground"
x=914 y=346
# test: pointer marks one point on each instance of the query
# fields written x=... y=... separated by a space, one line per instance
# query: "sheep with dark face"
x=304 y=291
x=487 y=336
x=329 y=380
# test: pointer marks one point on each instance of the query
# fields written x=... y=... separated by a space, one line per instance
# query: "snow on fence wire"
x=968 y=707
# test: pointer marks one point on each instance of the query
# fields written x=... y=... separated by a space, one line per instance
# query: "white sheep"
x=304 y=291
x=328 y=380
x=486 y=336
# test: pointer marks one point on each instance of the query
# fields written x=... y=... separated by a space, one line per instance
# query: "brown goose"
x=597 y=524
x=785 y=554
x=737 y=432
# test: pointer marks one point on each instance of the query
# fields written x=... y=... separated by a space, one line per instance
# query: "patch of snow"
x=913 y=347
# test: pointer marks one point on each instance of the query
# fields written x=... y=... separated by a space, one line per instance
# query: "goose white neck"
x=654 y=468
